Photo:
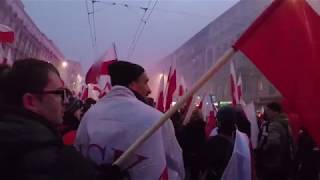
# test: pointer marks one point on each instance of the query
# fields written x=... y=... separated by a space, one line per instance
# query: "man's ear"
x=30 y=102
x=132 y=86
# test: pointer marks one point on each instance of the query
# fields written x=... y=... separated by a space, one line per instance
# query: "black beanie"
x=226 y=116
x=123 y=73
x=274 y=106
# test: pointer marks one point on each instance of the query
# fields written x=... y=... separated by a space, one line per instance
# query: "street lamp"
x=79 y=77
x=64 y=64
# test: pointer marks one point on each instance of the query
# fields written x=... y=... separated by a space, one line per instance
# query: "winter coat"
x=31 y=149
x=115 y=122
x=273 y=153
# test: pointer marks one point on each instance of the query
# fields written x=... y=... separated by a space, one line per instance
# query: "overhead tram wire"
x=147 y=19
x=157 y=9
x=94 y=22
x=142 y=21
x=90 y=25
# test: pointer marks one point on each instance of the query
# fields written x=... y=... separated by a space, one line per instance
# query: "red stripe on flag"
x=211 y=124
x=105 y=67
x=171 y=89
x=160 y=102
x=233 y=90
x=85 y=94
x=6 y=37
x=165 y=174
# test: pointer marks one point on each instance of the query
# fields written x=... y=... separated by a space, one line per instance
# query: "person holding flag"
x=227 y=153
x=119 y=118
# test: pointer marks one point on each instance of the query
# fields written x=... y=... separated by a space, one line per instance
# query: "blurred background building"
x=197 y=55
x=29 y=41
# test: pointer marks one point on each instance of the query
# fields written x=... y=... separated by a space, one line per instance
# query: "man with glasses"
x=30 y=146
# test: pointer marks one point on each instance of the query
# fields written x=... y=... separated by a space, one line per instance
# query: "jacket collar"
x=26 y=115
x=120 y=91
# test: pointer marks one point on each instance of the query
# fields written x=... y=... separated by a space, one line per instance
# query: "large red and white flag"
x=233 y=85
x=6 y=34
x=284 y=43
x=160 y=98
x=106 y=131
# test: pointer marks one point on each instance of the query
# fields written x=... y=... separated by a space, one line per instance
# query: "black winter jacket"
x=31 y=148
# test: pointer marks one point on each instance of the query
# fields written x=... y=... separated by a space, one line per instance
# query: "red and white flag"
x=106 y=131
x=239 y=165
x=209 y=114
x=91 y=91
x=233 y=85
x=250 y=112
x=171 y=87
x=98 y=74
x=240 y=92
x=6 y=34
x=182 y=87
x=283 y=43
x=100 y=67
x=84 y=92
x=160 y=98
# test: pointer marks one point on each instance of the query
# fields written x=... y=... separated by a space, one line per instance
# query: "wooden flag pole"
x=204 y=78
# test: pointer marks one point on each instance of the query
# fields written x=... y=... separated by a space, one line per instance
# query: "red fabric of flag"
x=93 y=74
x=211 y=123
x=171 y=89
x=284 y=43
x=104 y=69
x=6 y=37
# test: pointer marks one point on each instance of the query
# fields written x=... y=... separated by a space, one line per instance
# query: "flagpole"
x=204 y=78
x=115 y=50
x=189 y=112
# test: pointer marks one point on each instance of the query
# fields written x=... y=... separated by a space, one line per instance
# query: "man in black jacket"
x=30 y=146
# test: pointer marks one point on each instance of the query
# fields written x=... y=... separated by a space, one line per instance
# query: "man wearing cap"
x=119 y=118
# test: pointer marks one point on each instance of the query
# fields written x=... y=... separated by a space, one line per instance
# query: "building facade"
x=29 y=40
x=199 y=53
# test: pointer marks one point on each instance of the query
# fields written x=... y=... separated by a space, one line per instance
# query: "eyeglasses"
x=62 y=92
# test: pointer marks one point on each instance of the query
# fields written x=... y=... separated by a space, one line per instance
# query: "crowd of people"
x=47 y=133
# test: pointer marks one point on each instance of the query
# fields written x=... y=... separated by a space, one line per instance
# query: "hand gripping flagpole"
x=204 y=78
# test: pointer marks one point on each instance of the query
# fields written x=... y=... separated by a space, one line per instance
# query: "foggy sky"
x=171 y=24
